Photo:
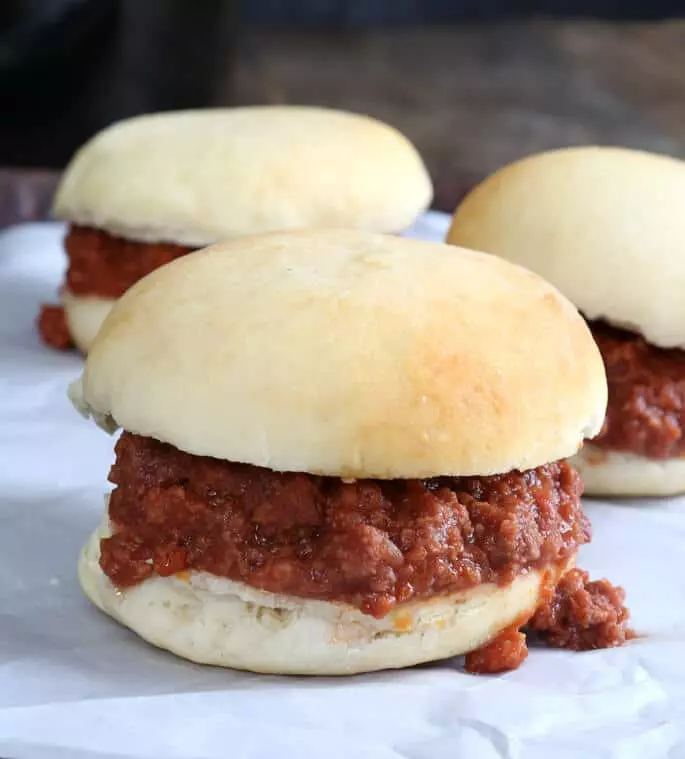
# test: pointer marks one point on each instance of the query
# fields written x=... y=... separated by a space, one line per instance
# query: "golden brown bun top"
x=197 y=177
x=349 y=354
x=604 y=225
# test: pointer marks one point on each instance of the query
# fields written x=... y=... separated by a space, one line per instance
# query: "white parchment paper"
x=73 y=684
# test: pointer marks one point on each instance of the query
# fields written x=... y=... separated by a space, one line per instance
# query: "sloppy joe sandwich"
x=150 y=189
x=606 y=226
x=343 y=452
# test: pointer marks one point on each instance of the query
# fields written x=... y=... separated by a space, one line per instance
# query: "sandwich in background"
x=150 y=189
x=344 y=452
x=607 y=227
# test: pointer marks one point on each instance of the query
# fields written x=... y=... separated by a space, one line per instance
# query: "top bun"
x=196 y=177
x=349 y=354
x=605 y=225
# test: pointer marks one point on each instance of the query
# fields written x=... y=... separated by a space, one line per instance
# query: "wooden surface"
x=472 y=97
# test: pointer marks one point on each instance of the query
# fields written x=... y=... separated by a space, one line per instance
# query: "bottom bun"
x=85 y=315
x=612 y=473
x=212 y=620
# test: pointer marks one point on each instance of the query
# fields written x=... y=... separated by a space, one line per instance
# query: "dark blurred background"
x=475 y=83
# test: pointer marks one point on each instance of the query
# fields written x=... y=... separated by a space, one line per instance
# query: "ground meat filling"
x=646 y=411
x=506 y=652
x=104 y=265
x=53 y=328
x=574 y=613
x=370 y=543
x=582 y=615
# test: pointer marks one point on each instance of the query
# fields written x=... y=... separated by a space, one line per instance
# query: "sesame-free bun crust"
x=348 y=354
x=605 y=225
x=212 y=620
x=196 y=177
x=85 y=315
x=611 y=473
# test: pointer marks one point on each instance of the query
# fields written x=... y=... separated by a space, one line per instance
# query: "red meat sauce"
x=53 y=328
x=575 y=613
x=101 y=264
x=506 y=652
x=646 y=410
x=370 y=543
x=581 y=614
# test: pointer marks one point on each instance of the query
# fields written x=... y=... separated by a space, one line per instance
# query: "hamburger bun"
x=349 y=354
x=612 y=473
x=85 y=315
x=196 y=177
x=213 y=620
x=604 y=225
